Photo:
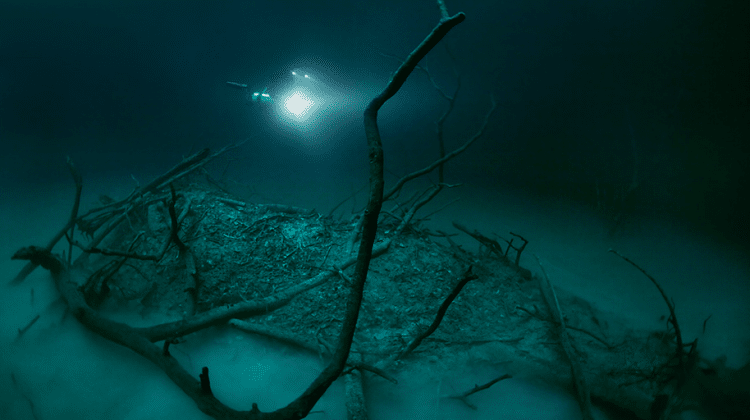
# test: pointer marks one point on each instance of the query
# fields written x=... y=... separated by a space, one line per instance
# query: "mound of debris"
x=226 y=251
x=186 y=249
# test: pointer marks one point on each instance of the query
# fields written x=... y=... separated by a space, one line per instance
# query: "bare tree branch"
x=447 y=157
x=579 y=380
x=78 y=180
x=465 y=278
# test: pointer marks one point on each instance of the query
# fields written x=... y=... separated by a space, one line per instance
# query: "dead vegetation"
x=183 y=247
x=284 y=274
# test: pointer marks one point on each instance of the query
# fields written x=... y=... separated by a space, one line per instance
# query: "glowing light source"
x=298 y=104
x=306 y=105
x=262 y=97
x=306 y=76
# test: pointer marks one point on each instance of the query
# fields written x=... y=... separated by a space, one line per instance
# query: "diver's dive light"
x=262 y=97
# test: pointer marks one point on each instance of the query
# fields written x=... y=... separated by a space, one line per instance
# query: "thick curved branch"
x=123 y=334
x=302 y=405
x=141 y=340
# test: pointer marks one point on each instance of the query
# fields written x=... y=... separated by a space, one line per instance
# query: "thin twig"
x=477 y=388
x=670 y=305
x=441 y=208
x=447 y=157
x=570 y=327
x=491 y=244
x=579 y=380
x=78 y=180
x=113 y=253
x=465 y=278
x=22 y=331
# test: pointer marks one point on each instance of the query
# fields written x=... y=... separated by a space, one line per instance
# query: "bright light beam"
x=298 y=104
x=302 y=102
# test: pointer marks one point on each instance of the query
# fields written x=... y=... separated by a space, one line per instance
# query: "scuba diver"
x=300 y=79
x=261 y=97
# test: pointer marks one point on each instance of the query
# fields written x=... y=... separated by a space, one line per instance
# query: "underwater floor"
x=59 y=370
